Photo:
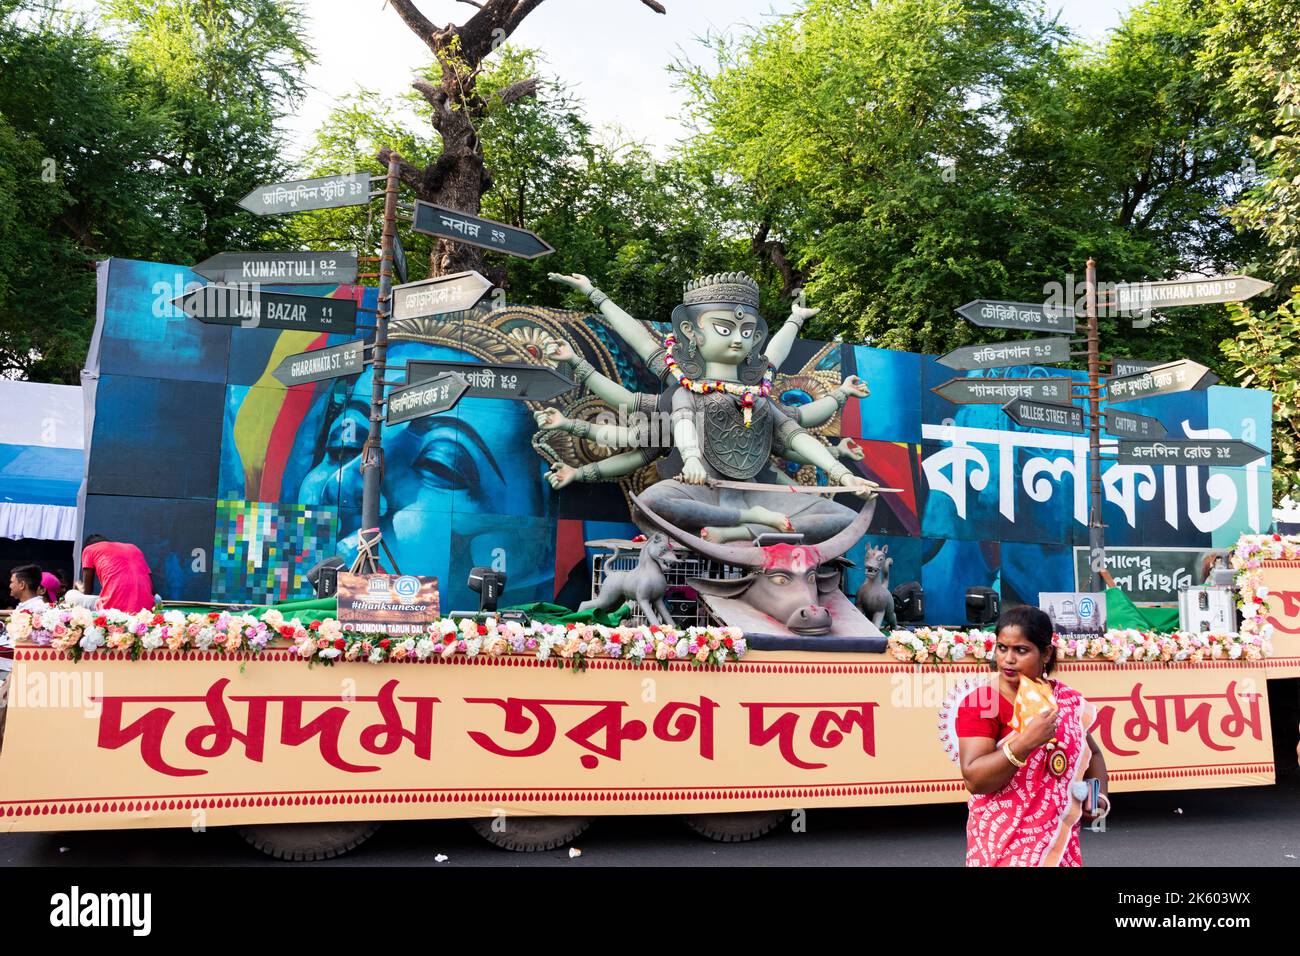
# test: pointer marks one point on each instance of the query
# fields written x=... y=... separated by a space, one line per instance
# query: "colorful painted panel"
x=263 y=550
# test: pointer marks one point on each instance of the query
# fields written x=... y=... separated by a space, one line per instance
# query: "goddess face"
x=725 y=335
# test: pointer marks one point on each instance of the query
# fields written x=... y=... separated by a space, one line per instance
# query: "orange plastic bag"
x=1034 y=698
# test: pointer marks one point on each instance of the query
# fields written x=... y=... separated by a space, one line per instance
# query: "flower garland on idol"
x=1247 y=560
x=747 y=393
x=939 y=645
x=78 y=631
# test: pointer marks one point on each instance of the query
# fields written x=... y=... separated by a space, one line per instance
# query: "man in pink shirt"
x=121 y=572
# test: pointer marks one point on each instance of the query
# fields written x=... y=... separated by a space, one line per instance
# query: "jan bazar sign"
x=116 y=743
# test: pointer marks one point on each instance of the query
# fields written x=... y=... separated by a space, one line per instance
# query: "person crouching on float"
x=1026 y=754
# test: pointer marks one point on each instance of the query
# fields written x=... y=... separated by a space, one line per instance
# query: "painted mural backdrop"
x=235 y=486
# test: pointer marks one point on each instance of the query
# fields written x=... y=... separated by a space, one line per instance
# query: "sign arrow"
x=1058 y=418
x=999 y=391
x=1006 y=354
x=1181 y=376
x=438 y=296
x=250 y=308
x=1129 y=425
x=533 y=383
x=302 y=195
x=430 y=397
x=1223 y=452
x=1141 y=296
x=1035 y=316
x=338 y=361
x=476 y=231
x=399 y=257
x=280 y=268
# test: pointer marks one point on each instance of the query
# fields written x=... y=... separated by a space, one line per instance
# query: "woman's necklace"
x=747 y=393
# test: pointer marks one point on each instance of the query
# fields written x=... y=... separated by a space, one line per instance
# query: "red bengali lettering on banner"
x=1139 y=727
x=827 y=729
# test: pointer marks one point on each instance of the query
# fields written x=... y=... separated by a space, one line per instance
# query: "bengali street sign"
x=301 y=195
x=534 y=383
x=1035 y=316
x=1129 y=425
x=1147 y=575
x=1223 y=452
x=249 y=307
x=429 y=397
x=1141 y=296
x=477 y=231
x=1128 y=366
x=999 y=391
x=399 y=257
x=280 y=268
x=1181 y=376
x=318 y=364
x=450 y=293
x=1058 y=418
x=1044 y=351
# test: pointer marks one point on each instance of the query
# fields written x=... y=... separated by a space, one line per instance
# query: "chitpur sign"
x=114 y=743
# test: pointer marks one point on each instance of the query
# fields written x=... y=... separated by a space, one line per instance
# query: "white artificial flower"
x=424 y=648
x=376 y=656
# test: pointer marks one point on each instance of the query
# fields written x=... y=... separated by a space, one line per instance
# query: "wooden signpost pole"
x=1096 y=529
x=372 y=460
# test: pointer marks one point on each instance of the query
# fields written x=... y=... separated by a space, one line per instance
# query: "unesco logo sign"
x=1087 y=608
x=407 y=588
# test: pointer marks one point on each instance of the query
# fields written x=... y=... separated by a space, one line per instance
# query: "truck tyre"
x=736 y=827
x=530 y=834
x=308 y=842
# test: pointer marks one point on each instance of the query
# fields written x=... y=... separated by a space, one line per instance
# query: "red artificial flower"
x=101 y=621
x=314 y=626
x=340 y=643
x=1277 y=537
x=482 y=630
x=449 y=639
x=615 y=639
x=988 y=645
x=384 y=643
x=727 y=642
x=959 y=639
x=213 y=615
x=286 y=630
x=654 y=628
x=157 y=618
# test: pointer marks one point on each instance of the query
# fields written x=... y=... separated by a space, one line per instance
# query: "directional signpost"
x=1035 y=317
x=280 y=268
x=451 y=293
x=999 y=391
x=1129 y=425
x=1181 y=376
x=252 y=308
x=1223 y=452
x=1058 y=418
x=318 y=364
x=477 y=231
x=301 y=195
x=534 y=383
x=1127 y=366
x=399 y=258
x=1141 y=296
x=430 y=397
x=1045 y=351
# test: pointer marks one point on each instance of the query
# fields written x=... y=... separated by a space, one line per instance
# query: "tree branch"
x=517 y=91
x=420 y=25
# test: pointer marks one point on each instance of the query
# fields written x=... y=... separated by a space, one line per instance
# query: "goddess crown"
x=729 y=287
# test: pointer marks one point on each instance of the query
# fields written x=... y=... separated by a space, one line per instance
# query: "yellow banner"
x=1282 y=610
x=183 y=741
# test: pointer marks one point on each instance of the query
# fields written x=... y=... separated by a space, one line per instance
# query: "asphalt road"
x=1257 y=826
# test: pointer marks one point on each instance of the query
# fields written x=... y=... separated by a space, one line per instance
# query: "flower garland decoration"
x=1247 y=559
x=747 y=393
x=938 y=645
x=78 y=631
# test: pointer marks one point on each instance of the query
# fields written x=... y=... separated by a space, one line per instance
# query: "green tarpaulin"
x=1122 y=614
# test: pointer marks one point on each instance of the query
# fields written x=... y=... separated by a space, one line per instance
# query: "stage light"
x=488 y=584
x=982 y=605
x=909 y=602
x=324 y=577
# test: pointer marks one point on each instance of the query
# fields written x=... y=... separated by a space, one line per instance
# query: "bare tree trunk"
x=459 y=177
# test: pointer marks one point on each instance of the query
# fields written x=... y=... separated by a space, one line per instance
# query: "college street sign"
x=1222 y=452
x=280 y=268
x=431 y=397
x=532 y=383
x=1045 y=351
x=318 y=364
x=1141 y=296
x=1000 y=391
x=1058 y=418
x=1181 y=376
x=1034 y=316
x=438 y=296
x=249 y=307
x=476 y=231
x=302 y=195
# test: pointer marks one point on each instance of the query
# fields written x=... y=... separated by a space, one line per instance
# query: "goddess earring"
x=690 y=347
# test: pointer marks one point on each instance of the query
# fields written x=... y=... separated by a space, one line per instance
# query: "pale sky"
x=613 y=53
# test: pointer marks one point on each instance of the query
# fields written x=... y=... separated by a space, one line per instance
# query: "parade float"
x=581 y=565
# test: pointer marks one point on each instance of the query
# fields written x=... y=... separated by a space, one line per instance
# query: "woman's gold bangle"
x=1015 y=761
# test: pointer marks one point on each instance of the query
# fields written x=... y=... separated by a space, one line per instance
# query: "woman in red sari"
x=1025 y=808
